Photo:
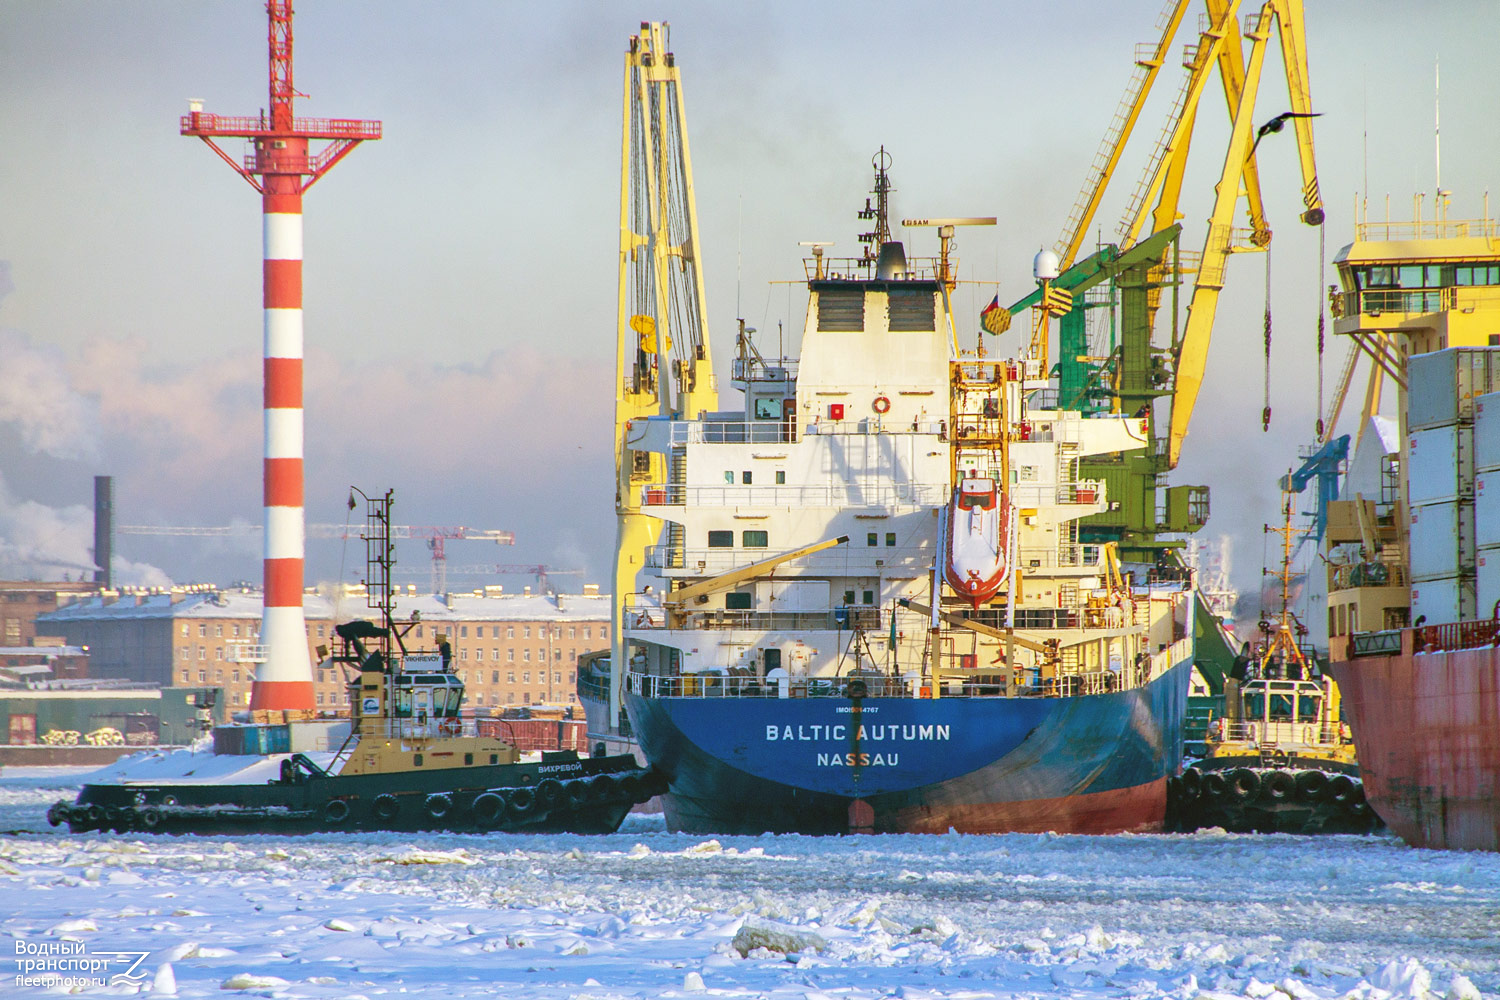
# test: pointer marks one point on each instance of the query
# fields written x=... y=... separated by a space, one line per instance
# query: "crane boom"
x=1192 y=355
x=664 y=365
x=1118 y=135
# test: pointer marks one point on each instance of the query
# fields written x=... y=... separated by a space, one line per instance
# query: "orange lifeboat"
x=978 y=534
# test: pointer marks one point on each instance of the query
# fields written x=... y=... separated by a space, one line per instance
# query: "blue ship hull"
x=1083 y=764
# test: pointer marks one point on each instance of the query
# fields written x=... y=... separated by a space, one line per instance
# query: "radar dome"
x=1045 y=266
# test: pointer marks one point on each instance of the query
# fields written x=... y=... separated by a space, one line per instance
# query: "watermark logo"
x=70 y=964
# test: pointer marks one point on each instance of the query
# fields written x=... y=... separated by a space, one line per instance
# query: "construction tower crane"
x=664 y=366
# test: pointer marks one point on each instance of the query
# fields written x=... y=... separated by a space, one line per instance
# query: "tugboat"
x=405 y=760
x=1280 y=760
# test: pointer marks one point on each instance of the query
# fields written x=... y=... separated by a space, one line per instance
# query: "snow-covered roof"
x=246 y=604
x=43 y=651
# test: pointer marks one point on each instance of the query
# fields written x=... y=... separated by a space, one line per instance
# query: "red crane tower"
x=281 y=167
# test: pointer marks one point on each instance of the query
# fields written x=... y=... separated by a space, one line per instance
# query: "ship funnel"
x=892 y=261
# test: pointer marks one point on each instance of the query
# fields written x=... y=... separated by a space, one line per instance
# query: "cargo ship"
x=406 y=758
x=1414 y=579
x=859 y=602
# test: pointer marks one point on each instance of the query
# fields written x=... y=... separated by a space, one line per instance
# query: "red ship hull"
x=1426 y=723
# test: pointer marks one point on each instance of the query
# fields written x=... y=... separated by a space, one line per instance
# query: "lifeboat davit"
x=978 y=535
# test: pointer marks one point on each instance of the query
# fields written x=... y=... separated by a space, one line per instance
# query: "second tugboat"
x=407 y=759
x=1280 y=760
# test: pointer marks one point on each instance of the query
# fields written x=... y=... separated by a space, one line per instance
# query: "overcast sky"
x=460 y=276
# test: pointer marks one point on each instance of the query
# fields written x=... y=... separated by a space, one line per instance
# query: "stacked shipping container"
x=1444 y=484
x=1487 y=497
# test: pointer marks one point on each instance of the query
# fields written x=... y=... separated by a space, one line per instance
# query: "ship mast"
x=1283 y=641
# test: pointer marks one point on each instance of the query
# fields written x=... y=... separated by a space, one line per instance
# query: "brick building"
x=22 y=600
x=510 y=649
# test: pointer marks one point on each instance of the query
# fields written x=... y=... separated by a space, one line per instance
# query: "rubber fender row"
x=1246 y=785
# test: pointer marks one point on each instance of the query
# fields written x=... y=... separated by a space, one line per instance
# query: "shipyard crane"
x=1220 y=45
x=664 y=365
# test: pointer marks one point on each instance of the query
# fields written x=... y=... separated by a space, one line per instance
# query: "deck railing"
x=852 y=494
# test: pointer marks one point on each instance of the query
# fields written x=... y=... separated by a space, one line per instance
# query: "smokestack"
x=104 y=528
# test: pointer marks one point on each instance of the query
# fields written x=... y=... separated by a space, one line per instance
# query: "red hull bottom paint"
x=1427 y=730
x=1141 y=809
x=282 y=696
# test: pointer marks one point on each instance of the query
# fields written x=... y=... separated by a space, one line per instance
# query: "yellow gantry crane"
x=1221 y=44
x=663 y=364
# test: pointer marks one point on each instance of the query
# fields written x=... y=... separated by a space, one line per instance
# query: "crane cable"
x=1321 y=301
x=1265 y=413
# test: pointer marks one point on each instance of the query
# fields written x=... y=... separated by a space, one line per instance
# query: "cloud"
x=38 y=404
x=518 y=439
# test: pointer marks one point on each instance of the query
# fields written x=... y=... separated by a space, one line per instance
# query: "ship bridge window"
x=842 y=309
x=721 y=539
x=1477 y=274
x=767 y=408
x=912 y=309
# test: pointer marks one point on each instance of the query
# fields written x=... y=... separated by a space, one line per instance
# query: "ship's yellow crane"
x=663 y=364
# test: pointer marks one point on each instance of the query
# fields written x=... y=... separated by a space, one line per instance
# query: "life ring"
x=335 y=811
x=882 y=404
x=451 y=726
x=439 y=805
x=386 y=806
x=487 y=808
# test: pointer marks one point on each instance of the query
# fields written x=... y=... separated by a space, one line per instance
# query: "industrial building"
x=510 y=649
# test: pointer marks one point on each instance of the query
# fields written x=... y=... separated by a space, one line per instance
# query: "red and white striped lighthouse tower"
x=281 y=168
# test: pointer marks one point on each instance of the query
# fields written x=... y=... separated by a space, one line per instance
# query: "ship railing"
x=764 y=370
x=1427 y=229
x=777 y=431
x=715 y=685
x=1281 y=732
x=838 y=619
x=1454 y=636
x=844 y=559
x=1376 y=301
x=854 y=494
x=1379 y=574
x=863 y=269
x=1063 y=556
x=523 y=734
